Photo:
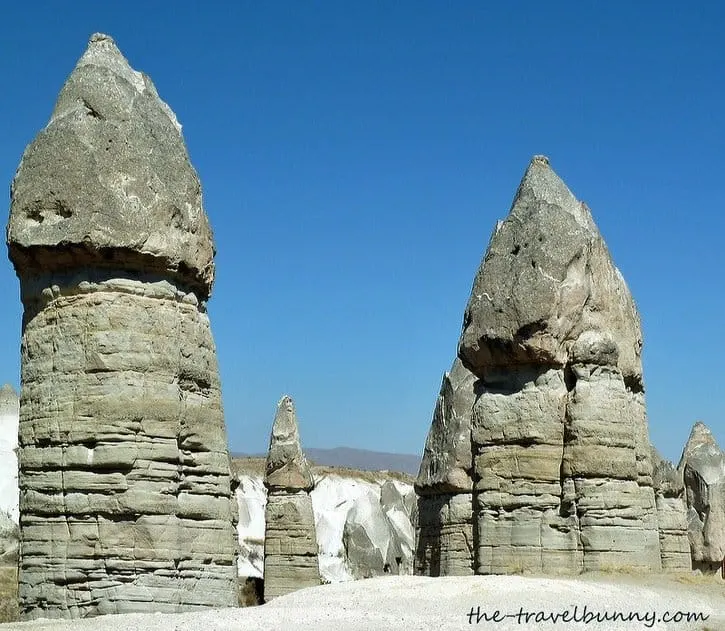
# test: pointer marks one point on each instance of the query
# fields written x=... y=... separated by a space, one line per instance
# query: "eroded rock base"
x=445 y=535
x=290 y=545
x=125 y=491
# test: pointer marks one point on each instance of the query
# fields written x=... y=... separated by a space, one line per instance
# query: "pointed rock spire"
x=110 y=178
x=287 y=468
x=290 y=541
x=547 y=277
x=703 y=469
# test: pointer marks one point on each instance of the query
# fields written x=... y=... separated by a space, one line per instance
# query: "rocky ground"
x=419 y=603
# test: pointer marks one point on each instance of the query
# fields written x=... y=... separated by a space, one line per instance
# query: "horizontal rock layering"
x=290 y=542
x=445 y=483
x=553 y=412
x=125 y=495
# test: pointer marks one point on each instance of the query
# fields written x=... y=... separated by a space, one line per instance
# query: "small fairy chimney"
x=290 y=543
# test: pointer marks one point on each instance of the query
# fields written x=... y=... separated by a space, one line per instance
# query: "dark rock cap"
x=287 y=468
x=546 y=279
x=108 y=182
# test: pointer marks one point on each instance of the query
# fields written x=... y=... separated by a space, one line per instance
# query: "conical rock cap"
x=108 y=182
x=547 y=291
x=287 y=468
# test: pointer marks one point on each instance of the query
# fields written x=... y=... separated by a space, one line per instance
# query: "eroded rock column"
x=562 y=474
x=125 y=498
x=290 y=542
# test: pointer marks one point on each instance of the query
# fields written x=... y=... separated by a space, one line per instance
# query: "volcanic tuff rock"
x=290 y=544
x=702 y=466
x=444 y=536
x=562 y=474
x=125 y=494
x=378 y=535
x=671 y=514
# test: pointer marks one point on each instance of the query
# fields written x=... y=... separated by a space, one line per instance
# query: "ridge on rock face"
x=444 y=537
x=287 y=468
x=290 y=544
x=702 y=466
x=125 y=489
x=546 y=279
x=109 y=180
x=447 y=462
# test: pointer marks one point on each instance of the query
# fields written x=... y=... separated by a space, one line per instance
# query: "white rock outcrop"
x=333 y=500
x=9 y=418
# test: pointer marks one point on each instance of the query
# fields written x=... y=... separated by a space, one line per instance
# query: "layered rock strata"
x=444 y=532
x=125 y=497
x=702 y=466
x=290 y=543
x=561 y=473
x=671 y=515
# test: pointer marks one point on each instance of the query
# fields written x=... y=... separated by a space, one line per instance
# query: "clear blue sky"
x=355 y=156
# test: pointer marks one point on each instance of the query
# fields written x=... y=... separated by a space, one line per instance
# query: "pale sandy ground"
x=417 y=603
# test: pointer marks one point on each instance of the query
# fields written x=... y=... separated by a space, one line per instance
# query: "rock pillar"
x=125 y=498
x=290 y=543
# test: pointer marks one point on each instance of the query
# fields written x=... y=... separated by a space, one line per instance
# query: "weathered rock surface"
x=378 y=535
x=384 y=507
x=444 y=537
x=562 y=474
x=9 y=540
x=125 y=496
x=547 y=278
x=287 y=468
x=370 y=543
x=9 y=418
x=562 y=465
x=671 y=515
x=109 y=181
x=290 y=543
x=447 y=463
x=702 y=466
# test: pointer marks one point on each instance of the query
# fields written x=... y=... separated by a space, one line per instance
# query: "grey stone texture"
x=290 y=541
x=561 y=467
x=702 y=466
x=125 y=496
x=444 y=533
x=671 y=515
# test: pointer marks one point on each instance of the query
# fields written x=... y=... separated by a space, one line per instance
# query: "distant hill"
x=358 y=459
